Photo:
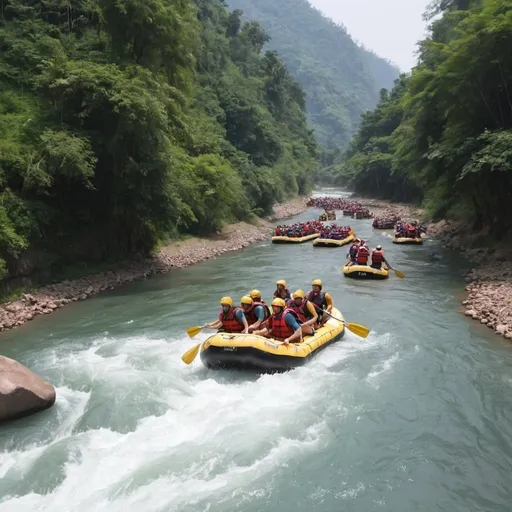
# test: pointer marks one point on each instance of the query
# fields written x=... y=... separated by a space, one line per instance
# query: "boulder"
x=22 y=392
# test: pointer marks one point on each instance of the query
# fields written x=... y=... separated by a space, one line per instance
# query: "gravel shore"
x=176 y=255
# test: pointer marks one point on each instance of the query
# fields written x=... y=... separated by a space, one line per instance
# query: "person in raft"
x=363 y=253
x=305 y=311
x=352 y=252
x=378 y=258
x=231 y=319
x=321 y=300
x=255 y=312
x=284 y=325
x=281 y=291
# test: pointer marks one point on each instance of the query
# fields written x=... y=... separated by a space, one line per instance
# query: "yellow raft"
x=293 y=240
x=328 y=242
x=405 y=240
x=365 y=272
x=251 y=352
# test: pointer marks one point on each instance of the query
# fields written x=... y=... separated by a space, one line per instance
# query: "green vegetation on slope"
x=122 y=122
x=444 y=135
x=341 y=80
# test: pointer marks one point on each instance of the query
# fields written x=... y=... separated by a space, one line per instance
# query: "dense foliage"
x=124 y=121
x=341 y=79
x=444 y=134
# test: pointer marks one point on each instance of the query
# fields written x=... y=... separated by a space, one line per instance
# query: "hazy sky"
x=390 y=28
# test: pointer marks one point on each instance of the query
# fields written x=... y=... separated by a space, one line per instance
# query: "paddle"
x=358 y=329
x=399 y=274
x=194 y=331
x=191 y=354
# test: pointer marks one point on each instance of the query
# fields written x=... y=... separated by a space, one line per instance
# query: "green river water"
x=417 y=417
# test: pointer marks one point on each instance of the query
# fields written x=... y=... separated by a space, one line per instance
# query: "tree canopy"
x=443 y=135
x=122 y=122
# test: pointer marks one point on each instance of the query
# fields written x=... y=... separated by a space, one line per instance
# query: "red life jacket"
x=280 y=329
x=377 y=257
x=229 y=322
x=362 y=255
x=302 y=311
x=251 y=315
x=265 y=307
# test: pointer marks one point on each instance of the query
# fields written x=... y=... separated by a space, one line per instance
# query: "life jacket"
x=301 y=311
x=287 y=294
x=377 y=257
x=229 y=322
x=280 y=329
x=362 y=255
x=318 y=299
x=251 y=315
x=353 y=251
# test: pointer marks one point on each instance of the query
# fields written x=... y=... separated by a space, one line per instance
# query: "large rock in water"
x=22 y=392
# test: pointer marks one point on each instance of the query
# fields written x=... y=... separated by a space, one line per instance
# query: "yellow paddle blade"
x=399 y=274
x=193 y=331
x=358 y=330
x=191 y=354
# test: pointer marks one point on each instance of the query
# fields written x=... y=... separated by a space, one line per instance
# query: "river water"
x=417 y=417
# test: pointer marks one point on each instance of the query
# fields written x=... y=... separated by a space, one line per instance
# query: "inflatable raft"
x=251 y=352
x=365 y=272
x=329 y=242
x=405 y=240
x=294 y=240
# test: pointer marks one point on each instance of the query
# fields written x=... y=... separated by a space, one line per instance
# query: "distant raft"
x=294 y=240
x=405 y=240
x=329 y=242
x=365 y=272
x=251 y=352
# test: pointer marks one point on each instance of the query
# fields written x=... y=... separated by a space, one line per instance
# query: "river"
x=417 y=417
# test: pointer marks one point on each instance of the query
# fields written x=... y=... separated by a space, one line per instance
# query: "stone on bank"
x=22 y=392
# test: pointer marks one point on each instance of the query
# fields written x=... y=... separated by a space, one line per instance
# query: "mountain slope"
x=341 y=80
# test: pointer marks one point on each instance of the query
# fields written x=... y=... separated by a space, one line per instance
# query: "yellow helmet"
x=226 y=301
x=278 y=302
x=299 y=293
x=282 y=281
x=255 y=294
x=317 y=282
x=246 y=300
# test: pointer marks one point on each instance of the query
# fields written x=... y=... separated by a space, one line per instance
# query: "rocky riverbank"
x=176 y=255
x=489 y=299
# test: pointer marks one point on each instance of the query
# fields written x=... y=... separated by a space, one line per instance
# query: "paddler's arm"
x=259 y=311
x=328 y=299
x=314 y=319
x=387 y=262
x=239 y=315
x=291 y=321
x=214 y=325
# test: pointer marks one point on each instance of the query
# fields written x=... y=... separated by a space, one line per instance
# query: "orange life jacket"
x=229 y=322
x=280 y=329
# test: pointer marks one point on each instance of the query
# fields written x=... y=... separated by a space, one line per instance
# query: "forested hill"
x=341 y=80
x=443 y=136
x=124 y=122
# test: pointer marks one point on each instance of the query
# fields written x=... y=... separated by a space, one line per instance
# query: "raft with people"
x=253 y=352
x=297 y=233
x=288 y=334
x=335 y=236
x=408 y=233
x=365 y=272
